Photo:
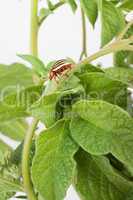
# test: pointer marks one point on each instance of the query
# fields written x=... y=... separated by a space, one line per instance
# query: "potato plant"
x=87 y=140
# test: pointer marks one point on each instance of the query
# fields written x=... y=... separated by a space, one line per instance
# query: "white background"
x=59 y=37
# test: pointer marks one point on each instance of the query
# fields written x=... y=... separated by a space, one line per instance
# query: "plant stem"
x=26 y=173
x=114 y=47
x=84 y=37
x=34 y=28
x=28 y=187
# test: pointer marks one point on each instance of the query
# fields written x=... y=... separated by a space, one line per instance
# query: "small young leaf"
x=37 y=64
x=50 y=5
x=54 y=162
x=73 y=4
x=91 y=10
x=44 y=12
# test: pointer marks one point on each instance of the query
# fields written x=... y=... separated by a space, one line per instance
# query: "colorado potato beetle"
x=60 y=67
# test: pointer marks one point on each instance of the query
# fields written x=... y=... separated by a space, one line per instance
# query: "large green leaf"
x=102 y=128
x=96 y=179
x=8 y=113
x=15 y=75
x=112 y=21
x=23 y=98
x=91 y=10
x=16 y=105
x=53 y=166
x=123 y=74
x=14 y=129
x=99 y=86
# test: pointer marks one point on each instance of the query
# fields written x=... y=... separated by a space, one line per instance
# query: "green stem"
x=84 y=36
x=26 y=173
x=34 y=28
x=114 y=47
x=28 y=186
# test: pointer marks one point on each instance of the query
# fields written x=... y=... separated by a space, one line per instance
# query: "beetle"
x=59 y=68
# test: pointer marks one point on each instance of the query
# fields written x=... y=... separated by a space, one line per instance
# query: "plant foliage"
x=87 y=113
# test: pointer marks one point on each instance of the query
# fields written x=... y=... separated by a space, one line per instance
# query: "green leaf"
x=8 y=113
x=24 y=97
x=45 y=108
x=10 y=180
x=100 y=86
x=3 y=149
x=124 y=58
x=67 y=99
x=14 y=129
x=86 y=68
x=73 y=4
x=127 y=5
x=96 y=179
x=44 y=12
x=16 y=155
x=53 y=107
x=8 y=185
x=16 y=105
x=91 y=10
x=101 y=128
x=70 y=83
x=54 y=162
x=120 y=59
x=15 y=75
x=123 y=74
x=37 y=64
x=112 y=21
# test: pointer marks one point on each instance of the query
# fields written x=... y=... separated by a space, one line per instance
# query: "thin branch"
x=84 y=36
x=113 y=47
x=28 y=186
x=57 y=5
